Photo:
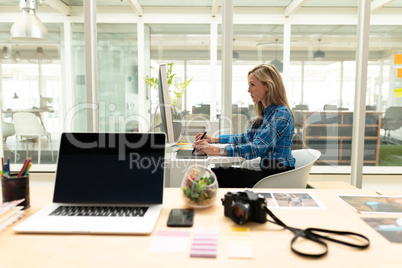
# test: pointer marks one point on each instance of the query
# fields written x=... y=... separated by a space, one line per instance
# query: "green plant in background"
x=178 y=89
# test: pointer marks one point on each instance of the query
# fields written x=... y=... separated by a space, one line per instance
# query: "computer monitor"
x=164 y=104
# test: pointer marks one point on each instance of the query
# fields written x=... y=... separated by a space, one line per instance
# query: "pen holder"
x=16 y=187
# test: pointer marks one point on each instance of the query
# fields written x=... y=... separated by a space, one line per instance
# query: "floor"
x=33 y=146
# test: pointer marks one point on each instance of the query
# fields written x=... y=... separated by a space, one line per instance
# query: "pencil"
x=203 y=135
x=27 y=170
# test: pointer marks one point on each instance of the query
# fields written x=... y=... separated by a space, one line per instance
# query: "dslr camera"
x=245 y=206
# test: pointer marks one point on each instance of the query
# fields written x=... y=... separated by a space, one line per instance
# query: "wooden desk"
x=330 y=185
x=271 y=245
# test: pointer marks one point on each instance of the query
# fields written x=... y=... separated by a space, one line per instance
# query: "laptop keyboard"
x=99 y=211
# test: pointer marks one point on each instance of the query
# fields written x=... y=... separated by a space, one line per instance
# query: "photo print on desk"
x=389 y=228
x=292 y=200
x=373 y=203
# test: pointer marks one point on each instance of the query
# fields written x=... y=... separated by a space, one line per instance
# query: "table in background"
x=35 y=111
x=271 y=245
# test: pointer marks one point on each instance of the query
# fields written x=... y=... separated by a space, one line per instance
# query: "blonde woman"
x=269 y=137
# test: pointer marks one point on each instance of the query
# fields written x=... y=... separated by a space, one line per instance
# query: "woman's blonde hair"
x=269 y=75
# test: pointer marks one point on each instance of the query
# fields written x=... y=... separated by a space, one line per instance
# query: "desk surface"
x=271 y=245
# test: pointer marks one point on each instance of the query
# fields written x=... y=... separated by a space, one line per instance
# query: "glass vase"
x=199 y=188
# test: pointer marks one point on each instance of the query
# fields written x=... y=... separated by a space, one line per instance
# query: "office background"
x=313 y=41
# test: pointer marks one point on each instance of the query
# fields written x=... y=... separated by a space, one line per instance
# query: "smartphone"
x=179 y=217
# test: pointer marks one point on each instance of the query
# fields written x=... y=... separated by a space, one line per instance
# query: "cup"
x=16 y=187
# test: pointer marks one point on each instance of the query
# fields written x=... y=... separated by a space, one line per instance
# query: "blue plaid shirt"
x=272 y=140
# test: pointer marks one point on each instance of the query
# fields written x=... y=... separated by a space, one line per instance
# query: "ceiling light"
x=235 y=55
x=318 y=55
x=5 y=53
x=28 y=27
x=17 y=55
x=277 y=63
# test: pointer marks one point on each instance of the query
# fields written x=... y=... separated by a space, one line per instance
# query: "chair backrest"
x=394 y=112
x=7 y=129
x=296 y=178
x=240 y=123
x=28 y=124
x=301 y=107
x=330 y=107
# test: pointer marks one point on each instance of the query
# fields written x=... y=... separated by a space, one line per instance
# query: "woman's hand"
x=207 y=137
x=202 y=146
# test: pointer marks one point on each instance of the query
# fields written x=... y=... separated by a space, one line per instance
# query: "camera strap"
x=313 y=235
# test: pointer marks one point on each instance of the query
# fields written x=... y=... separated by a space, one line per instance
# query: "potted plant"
x=175 y=92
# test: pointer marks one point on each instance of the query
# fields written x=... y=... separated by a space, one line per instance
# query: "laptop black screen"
x=110 y=168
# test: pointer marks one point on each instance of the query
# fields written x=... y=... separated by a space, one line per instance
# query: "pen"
x=203 y=135
x=25 y=166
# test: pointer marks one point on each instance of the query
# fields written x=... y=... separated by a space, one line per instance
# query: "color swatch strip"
x=205 y=243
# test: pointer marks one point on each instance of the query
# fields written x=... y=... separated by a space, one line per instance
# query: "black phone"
x=179 y=217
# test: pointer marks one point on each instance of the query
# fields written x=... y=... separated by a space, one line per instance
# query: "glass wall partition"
x=384 y=104
x=117 y=77
x=186 y=50
x=323 y=77
x=31 y=86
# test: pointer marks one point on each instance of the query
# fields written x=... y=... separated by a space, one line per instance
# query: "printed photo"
x=270 y=200
x=390 y=228
x=295 y=200
x=374 y=203
x=300 y=200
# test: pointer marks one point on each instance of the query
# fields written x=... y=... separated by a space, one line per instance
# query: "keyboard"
x=99 y=211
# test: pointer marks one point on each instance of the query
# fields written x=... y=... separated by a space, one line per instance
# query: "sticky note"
x=239 y=243
x=239 y=231
x=398 y=92
x=398 y=59
x=170 y=241
x=399 y=75
x=240 y=249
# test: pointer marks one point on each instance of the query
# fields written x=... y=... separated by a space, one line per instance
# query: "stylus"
x=203 y=135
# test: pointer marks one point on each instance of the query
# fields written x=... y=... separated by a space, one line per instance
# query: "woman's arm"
x=266 y=137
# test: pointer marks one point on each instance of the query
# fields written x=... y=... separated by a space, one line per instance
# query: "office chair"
x=330 y=107
x=301 y=107
x=296 y=178
x=7 y=130
x=392 y=120
x=28 y=126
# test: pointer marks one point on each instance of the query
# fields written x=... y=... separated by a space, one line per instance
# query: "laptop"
x=106 y=183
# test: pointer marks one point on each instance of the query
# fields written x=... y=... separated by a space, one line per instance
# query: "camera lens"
x=240 y=212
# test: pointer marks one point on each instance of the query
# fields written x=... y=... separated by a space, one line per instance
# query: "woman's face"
x=256 y=89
